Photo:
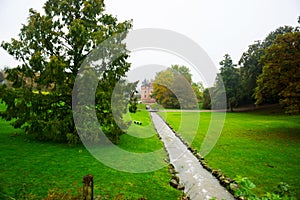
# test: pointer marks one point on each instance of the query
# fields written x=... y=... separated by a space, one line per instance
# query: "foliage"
x=130 y=94
x=172 y=88
x=250 y=69
x=184 y=71
x=227 y=84
x=52 y=47
x=198 y=90
x=271 y=37
x=229 y=77
x=133 y=103
x=1 y=77
x=245 y=187
x=161 y=91
x=206 y=98
x=280 y=79
x=251 y=66
x=284 y=190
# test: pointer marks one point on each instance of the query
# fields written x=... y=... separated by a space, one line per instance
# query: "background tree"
x=183 y=71
x=271 y=37
x=251 y=67
x=133 y=103
x=131 y=96
x=1 y=77
x=280 y=79
x=161 y=92
x=231 y=80
x=207 y=98
x=172 y=88
x=198 y=89
x=52 y=47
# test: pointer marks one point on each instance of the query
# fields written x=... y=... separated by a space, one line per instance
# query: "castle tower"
x=146 y=91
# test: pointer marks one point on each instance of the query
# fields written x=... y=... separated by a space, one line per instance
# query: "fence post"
x=88 y=187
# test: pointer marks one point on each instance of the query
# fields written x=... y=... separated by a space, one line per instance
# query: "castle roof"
x=146 y=83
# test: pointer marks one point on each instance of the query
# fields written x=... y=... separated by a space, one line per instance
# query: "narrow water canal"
x=199 y=183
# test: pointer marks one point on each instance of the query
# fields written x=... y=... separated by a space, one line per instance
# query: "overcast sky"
x=218 y=26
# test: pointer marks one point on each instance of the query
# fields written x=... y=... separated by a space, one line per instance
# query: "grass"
x=34 y=167
x=157 y=106
x=138 y=134
x=262 y=145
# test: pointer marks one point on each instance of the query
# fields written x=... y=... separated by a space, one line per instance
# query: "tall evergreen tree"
x=231 y=81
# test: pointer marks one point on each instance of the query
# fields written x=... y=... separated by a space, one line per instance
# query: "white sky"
x=218 y=26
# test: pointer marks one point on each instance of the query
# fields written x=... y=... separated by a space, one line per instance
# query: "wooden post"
x=88 y=187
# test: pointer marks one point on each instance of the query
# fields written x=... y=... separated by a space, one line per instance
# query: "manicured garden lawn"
x=261 y=145
x=138 y=134
x=31 y=167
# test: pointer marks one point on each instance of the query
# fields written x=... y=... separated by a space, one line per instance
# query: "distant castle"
x=146 y=91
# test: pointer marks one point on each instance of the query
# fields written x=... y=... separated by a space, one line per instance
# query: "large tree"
x=207 y=98
x=271 y=37
x=198 y=89
x=250 y=69
x=231 y=80
x=172 y=88
x=280 y=79
x=250 y=65
x=52 y=47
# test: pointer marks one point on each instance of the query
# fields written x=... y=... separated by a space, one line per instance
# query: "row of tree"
x=75 y=46
x=268 y=72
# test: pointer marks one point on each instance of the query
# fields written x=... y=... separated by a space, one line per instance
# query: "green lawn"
x=262 y=145
x=33 y=167
x=138 y=134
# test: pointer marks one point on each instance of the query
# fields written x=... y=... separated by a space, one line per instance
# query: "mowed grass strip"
x=32 y=167
x=261 y=145
x=142 y=138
